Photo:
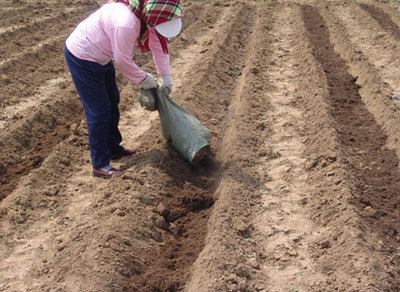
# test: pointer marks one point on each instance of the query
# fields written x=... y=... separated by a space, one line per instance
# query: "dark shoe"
x=125 y=152
x=105 y=173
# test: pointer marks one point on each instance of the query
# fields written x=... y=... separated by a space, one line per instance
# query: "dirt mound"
x=302 y=189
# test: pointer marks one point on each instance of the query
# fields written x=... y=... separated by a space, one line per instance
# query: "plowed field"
x=304 y=193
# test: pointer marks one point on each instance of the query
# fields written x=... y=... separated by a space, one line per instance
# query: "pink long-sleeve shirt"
x=112 y=32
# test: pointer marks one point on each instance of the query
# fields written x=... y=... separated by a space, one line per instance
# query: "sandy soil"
x=304 y=191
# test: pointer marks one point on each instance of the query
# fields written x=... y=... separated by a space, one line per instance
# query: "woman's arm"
x=161 y=60
x=123 y=41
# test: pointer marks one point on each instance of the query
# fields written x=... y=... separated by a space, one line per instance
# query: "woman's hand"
x=149 y=82
x=166 y=85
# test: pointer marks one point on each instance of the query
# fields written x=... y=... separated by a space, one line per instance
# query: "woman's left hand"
x=166 y=85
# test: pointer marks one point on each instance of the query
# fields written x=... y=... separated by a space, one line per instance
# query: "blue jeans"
x=98 y=91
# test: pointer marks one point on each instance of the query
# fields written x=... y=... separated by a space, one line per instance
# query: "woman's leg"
x=114 y=135
x=89 y=79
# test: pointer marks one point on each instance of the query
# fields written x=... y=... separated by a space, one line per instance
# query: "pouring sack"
x=178 y=125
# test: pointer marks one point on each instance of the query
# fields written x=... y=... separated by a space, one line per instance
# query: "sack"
x=147 y=99
x=180 y=127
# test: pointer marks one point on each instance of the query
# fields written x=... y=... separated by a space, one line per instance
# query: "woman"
x=112 y=32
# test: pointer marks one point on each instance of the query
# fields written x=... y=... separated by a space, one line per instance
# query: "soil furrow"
x=383 y=19
x=125 y=265
x=172 y=262
x=381 y=49
x=8 y=33
x=391 y=10
x=302 y=193
x=29 y=141
x=167 y=267
x=21 y=77
x=17 y=15
x=231 y=258
x=285 y=229
x=372 y=167
x=19 y=40
x=376 y=83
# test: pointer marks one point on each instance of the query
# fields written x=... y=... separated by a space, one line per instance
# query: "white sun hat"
x=170 y=29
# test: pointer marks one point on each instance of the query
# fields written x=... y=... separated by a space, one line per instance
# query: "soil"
x=299 y=190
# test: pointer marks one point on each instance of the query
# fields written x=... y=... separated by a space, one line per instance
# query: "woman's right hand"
x=149 y=82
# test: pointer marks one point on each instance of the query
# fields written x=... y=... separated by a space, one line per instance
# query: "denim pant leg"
x=89 y=79
x=114 y=135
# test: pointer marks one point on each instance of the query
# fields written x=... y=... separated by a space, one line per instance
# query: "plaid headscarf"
x=152 y=13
